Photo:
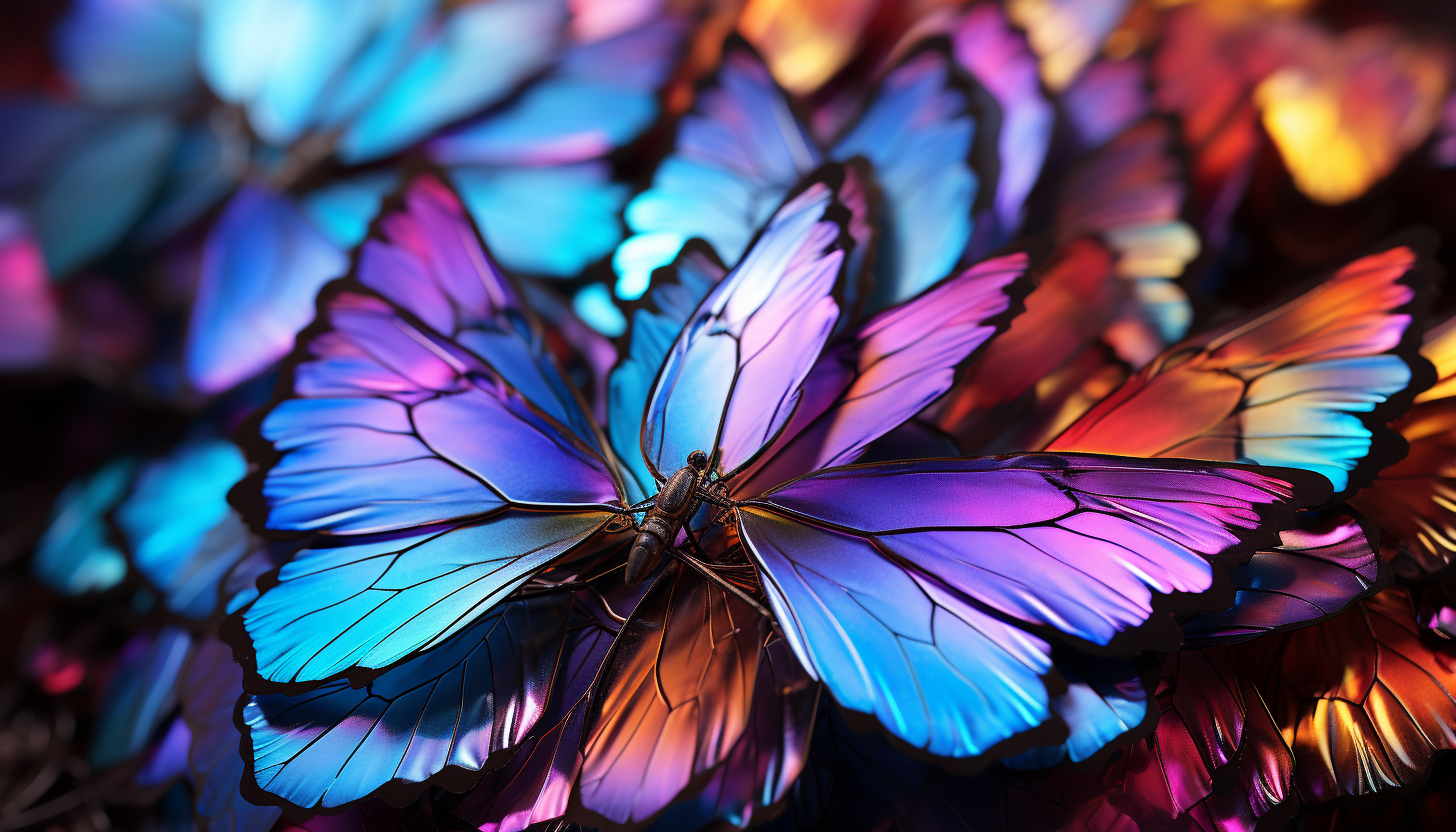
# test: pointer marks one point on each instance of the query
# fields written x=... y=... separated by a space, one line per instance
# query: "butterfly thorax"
x=675 y=502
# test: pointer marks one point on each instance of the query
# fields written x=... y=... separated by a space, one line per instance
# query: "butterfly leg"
x=703 y=567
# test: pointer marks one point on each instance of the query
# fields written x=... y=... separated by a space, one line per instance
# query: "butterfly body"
x=675 y=503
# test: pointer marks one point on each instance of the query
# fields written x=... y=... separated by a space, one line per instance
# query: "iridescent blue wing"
x=736 y=157
x=998 y=57
x=182 y=535
x=209 y=689
x=549 y=221
x=756 y=335
x=75 y=554
x=442 y=714
x=139 y=697
x=598 y=97
x=262 y=264
x=673 y=698
x=929 y=134
x=655 y=323
x=912 y=589
x=890 y=369
x=121 y=54
x=1321 y=566
x=427 y=259
x=473 y=56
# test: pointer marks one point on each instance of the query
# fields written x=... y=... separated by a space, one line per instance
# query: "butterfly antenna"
x=708 y=571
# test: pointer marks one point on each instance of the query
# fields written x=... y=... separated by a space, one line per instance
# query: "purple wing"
x=732 y=378
x=674 y=696
x=394 y=428
x=1321 y=566
x=897 y=363
x=427 y=259
x=909 y=589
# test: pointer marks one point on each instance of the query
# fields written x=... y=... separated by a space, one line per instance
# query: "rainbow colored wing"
x=439 y=716
x=1307 y=384
x=1410 y=501
x=731 y=380
x=674 y=696
x=889 y=579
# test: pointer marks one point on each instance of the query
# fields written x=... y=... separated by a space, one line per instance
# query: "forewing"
x=363 y=604
x=437 y=717
x=888 y=370
x=655 y=322
x=393 y=428
x=674 y=697
x=736 y=156
x=732 y=378
x=426 y=258
x=1304 y=384
x=1322 y=565
x=911 y=589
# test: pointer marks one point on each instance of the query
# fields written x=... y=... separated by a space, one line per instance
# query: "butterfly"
x=427 y=438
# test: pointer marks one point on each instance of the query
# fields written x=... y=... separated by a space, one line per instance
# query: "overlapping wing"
x=912 y=590
x=1411 y=500
x=1321 y=566
x=1305 y=384
x=1366 y=701
x=930 y=136
x=181 y=534
x=736 y=157
x=209 y=689
x=139 y=697
x=732 y=378
x=888 y=370
x=442 y=714
x=674 y=697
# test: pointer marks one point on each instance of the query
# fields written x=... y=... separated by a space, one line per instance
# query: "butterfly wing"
x=128 y=54
x=674 y=696
x=1321 y=566
x=75 y=554
x=911 y=589
x=736 y=157
x=1409 y=500
x=656 y=320
x=1306 y=384
x=209 y=689
x=889 y=369
x=1107 y=701
x=758 y=331
x=930 y=136
x=438 y=717
x=181 y=534
x=998 y=56
x=139 y=696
